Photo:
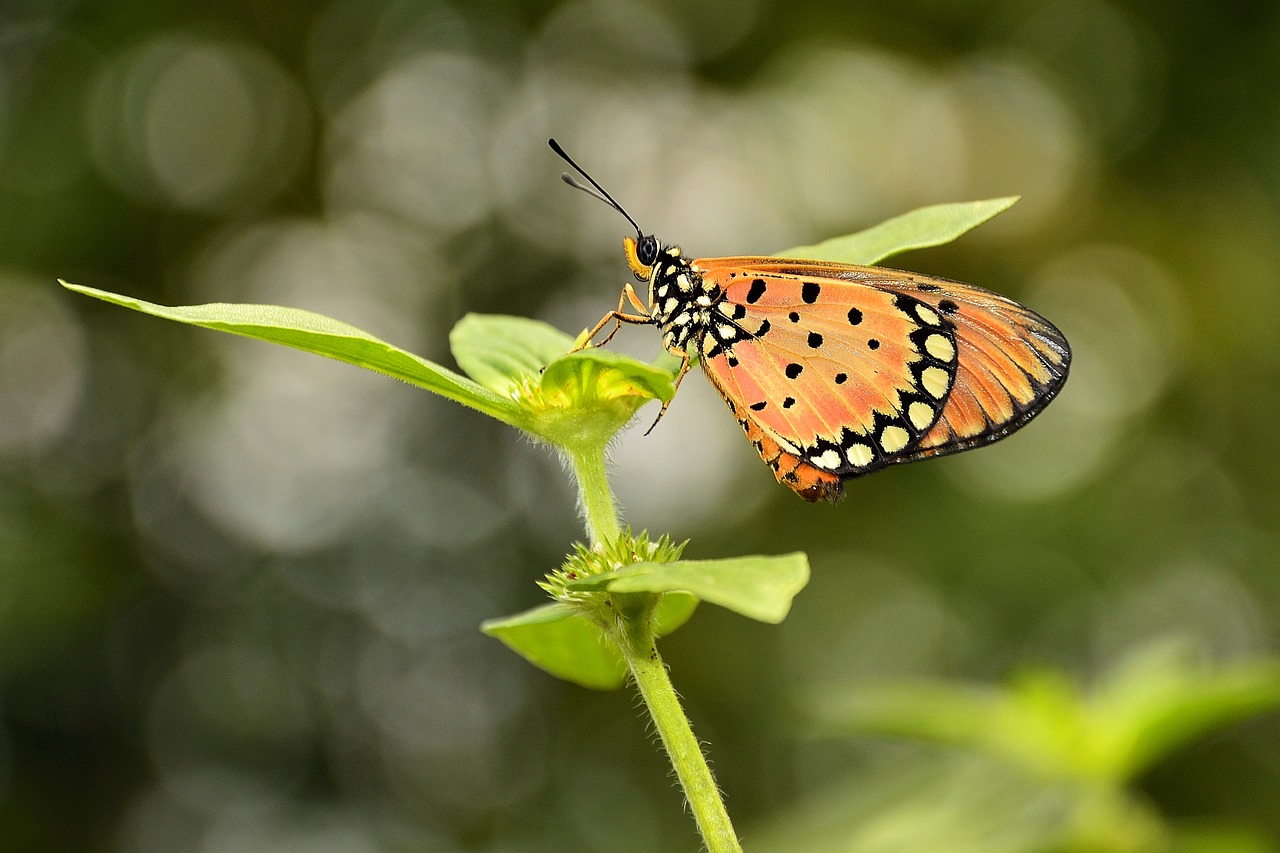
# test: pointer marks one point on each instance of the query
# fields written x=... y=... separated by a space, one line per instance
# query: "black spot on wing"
x=757 y=290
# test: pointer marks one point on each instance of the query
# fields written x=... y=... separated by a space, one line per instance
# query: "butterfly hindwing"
x=1012 y=363
x=848 y=369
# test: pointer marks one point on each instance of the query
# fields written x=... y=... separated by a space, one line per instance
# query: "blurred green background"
x=240 y=586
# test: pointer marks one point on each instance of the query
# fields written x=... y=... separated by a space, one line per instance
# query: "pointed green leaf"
x=757 y=587
x=558 y=639
x=499 y=351
x=330 y=338
x=919 y=229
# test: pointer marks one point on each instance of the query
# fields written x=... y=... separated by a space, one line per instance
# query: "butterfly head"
x=642 y=254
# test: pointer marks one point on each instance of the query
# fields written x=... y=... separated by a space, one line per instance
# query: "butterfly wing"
x=842 y=370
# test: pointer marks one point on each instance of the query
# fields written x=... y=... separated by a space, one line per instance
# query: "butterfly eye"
x=647 y=250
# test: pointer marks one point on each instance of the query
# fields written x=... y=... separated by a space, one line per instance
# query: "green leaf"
x=604 y=375
x=499 y=351
x=673 y=610
x=1159 y=699
x=330 y=338
x=919 y=229
x=503 y=352
x=587 y=396
x=930 y=711
x=1038 y=724
x=759 y=588
x=670 y=363
x=1150 y=704
x=523 y=373
x=912 y=800
x=560 y=640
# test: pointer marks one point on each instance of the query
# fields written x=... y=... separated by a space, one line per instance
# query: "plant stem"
x=631 y=630
x=596 y=496
x=635 y=640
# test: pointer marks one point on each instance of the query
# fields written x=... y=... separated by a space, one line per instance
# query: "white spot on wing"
x=893 y=439
x=935 y=381
x=921 y=414
x=939 y=347
x=829 y=459
x=859 y=454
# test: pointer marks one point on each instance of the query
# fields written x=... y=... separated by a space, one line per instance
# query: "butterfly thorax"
x=688 y=308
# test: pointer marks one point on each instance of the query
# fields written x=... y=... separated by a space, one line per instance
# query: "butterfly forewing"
x=842 y=375
x=849 y=368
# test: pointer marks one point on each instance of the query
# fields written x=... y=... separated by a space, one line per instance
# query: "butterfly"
x=836 y=370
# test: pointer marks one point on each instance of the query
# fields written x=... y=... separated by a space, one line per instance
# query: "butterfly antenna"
x=595 y=190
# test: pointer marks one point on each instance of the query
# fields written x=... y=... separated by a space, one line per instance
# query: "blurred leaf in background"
x=1066 y=759
x=1150 y=704
x=240 y=585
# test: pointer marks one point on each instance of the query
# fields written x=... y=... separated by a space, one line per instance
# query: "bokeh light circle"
x=198 y=124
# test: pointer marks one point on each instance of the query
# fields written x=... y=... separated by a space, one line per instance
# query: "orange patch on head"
x=633 y=258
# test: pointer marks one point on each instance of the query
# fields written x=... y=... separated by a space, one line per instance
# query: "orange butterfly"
x=836 y=370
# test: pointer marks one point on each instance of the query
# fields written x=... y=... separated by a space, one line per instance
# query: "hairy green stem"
x=631 y=629
x=635 y=640
x=596 y=496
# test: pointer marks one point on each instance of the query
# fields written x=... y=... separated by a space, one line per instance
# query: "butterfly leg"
x=684 y=368
x=618 y=317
